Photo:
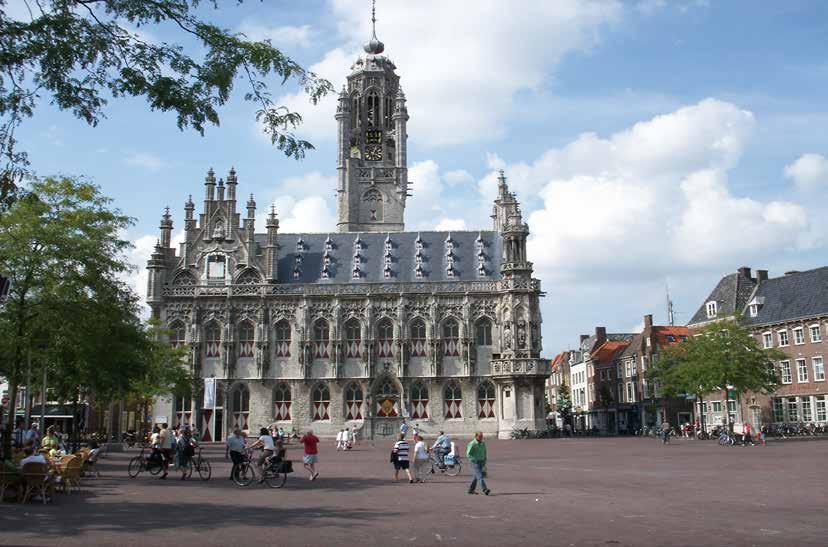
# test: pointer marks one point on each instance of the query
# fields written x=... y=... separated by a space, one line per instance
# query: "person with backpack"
x=400 y=460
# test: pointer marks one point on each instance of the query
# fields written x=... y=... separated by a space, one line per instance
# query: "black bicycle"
x=152 y=462
x=274 y=471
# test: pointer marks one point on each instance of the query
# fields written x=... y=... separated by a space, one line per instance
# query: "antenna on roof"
x=670 y=314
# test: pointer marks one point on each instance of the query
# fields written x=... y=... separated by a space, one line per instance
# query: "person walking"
x=665 y=432
x=476 y=454
x=166 y=440
x=354 y=440
x=747 y=434
x=310 y=442
x=420 y=458
x=404 y=427
x=235 y=450
x=186 y=450
x=399 y=457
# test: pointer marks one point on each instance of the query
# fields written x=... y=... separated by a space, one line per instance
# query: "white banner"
x=210 y=393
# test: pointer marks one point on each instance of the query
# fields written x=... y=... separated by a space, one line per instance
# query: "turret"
x=232 y=183
x=166 y=229
x=209 y=192
x=220 y=196
x=508 y=220
x=249 y=228
x=189 y=229
x=155 y=280
x=271 y=262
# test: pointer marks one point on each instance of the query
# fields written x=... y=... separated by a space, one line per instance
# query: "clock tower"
x=372 y=173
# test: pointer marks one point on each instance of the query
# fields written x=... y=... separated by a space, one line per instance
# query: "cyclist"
x=266 y=443
x=441 y=447
x=665 y=432
x=235 y=449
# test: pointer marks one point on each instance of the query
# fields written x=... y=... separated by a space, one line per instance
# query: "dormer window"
x=753 y=310
x=418 y=244
x=326 y=273
x=297 y=260
x=388 y=259
x=297 y=273
x=326 y=260
x=300 y=246
x=328 y=245
x=481 y=271
x=386 y=272
x=418 y=272
x=711 y=309
x=356 y=273
x=450 y=271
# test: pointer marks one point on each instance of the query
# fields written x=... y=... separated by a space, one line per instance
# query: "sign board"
x=160 y=419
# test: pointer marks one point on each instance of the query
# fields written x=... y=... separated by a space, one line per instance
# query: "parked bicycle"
x=274 y=472
x=152 y=462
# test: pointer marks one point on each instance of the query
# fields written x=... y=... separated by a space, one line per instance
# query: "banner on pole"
x=210 y=393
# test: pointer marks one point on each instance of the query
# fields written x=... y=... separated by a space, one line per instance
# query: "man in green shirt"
x=476 y=453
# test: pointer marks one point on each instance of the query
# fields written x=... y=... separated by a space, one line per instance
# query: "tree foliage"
x=725 y=357
x=564 y=402
x=78 y=54
x=69 y=306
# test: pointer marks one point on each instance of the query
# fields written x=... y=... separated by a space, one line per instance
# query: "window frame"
x=281 y=406
x=818 y=329
x=320 y=404
x=456 y=391
x=818 y=377
x=483 y=326
x=785 y=372
x=783 y=337
x=711 y=307
x=247 y=345
x=801 y=371
x=280 y=342
x=767 y=340
x=799 y=336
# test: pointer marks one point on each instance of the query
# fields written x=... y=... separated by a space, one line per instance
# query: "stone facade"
x=363 y=327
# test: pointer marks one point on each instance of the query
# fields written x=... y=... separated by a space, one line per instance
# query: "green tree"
x=61 y=245
x=78 y=54
x=564 y=403
x=725 y=357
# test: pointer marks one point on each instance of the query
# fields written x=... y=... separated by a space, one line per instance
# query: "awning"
x=52 y=411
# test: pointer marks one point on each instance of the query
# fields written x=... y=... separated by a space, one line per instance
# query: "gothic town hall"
x=363 y=326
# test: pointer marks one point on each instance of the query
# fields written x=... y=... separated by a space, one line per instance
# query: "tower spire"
x=374 y=46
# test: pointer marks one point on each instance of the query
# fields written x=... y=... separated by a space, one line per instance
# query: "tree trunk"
x=701 y=413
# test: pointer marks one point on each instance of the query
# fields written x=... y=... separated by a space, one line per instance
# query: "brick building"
x=789 y=313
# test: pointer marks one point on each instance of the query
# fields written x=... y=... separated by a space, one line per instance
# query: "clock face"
x=373 y=152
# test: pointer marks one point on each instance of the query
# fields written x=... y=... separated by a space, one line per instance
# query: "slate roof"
x=731 y=295
x=306 y=253
x=795 y=296
x=669 y=336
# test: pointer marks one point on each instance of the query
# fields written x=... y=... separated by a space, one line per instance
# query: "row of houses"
x=605 y=373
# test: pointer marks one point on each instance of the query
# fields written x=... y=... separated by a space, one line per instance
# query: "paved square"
x=615 y=491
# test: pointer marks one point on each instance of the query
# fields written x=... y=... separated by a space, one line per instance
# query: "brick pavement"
x=571 y=492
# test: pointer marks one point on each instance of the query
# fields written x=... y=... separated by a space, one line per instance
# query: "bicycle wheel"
x=154 y=467
x=244 y=474
x=274 y=479
x=454 y=470
x=204 y=469
x=135 y=467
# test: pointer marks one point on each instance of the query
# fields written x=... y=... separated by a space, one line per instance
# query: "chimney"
x=582 y=338
x=792 y=272
x=761 y=275
x=600 y=335
x=744 y=271
x=648 y=322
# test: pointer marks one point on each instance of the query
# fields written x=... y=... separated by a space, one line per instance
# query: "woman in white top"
x=266 y=443
x=420 y=459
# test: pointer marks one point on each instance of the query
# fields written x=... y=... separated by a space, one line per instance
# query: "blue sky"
x=652 y=142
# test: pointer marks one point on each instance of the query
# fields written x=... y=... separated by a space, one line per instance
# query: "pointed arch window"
x=177 y=335
x=483 y=332
x=353 y=402
x=282 y=402
x=246 y=339
x=451 y=338
x=356 y=111
x=282 y=339
x=353 y=339
x=388 y=112
x=241 y=408
x=372 y=109
x=212 y=340
x=453 y=401
x=418 y=338
x=486 y=400
x=419 y=401
x=321 y=339
x=321 y=403
x=183 y=411
x=388 y=400
x=385 y=338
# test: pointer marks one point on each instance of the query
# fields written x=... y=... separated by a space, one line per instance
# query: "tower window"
x=372 y=110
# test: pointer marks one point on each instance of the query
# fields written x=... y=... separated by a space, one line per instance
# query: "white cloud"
x=809 y=172
x=144 y=160
x=311 y=214
x=649 y=199
x=285 y=36
x=142 y=248
x=451 y=224
x=458 y=177
x=461 y=68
